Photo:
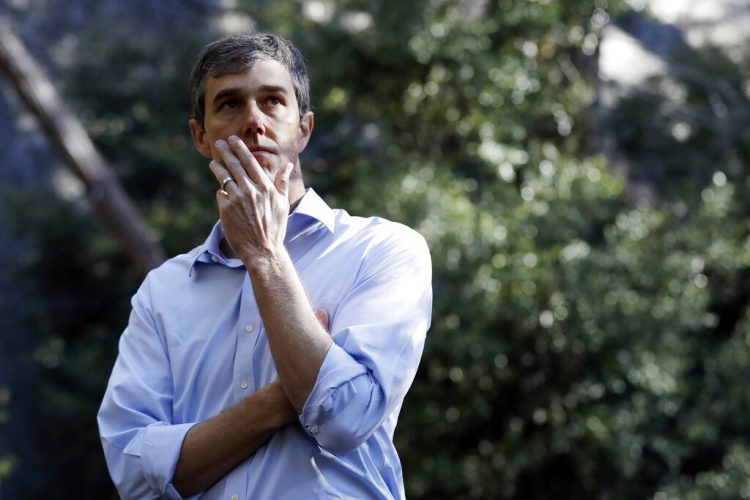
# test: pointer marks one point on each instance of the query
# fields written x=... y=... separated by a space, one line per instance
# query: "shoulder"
x=172 y=272
x=382 y=241
x=377 y=231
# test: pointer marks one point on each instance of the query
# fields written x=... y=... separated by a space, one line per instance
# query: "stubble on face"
x=259 y=106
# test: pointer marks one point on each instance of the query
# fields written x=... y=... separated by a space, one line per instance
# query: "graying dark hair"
x=236 y=53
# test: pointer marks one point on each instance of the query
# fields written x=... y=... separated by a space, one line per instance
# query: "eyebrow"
x=227 y=92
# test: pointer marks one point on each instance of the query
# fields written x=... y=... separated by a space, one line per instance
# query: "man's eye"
x=274 y=100
x=230 y=104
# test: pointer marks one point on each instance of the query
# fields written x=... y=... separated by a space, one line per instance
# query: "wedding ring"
x=224 y=183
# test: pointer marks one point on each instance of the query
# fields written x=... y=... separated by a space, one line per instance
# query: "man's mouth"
x=261 y=150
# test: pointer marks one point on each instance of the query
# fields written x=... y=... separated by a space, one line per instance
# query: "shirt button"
x=213 y=258
x=243 y=384
x=235 y=497
x=249 y=328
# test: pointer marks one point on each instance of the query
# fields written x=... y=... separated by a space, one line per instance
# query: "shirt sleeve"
x=141 y=446
x=379 y=329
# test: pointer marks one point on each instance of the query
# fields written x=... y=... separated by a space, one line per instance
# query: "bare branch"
x=63 y=129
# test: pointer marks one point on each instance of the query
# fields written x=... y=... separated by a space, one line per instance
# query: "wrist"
x=264 y=261
x=284 y=412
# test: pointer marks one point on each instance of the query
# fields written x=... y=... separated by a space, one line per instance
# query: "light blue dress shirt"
x=195 y=345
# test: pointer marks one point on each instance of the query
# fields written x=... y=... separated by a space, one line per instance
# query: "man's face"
x=258 y=106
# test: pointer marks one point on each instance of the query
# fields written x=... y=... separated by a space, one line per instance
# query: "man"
x=228 y=384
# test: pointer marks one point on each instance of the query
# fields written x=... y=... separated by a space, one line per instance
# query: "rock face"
x=671 y=26
x=651 y=44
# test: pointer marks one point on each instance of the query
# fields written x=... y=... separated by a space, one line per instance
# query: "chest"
x=215 y=337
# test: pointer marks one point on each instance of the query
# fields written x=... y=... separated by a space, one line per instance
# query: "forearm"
x=214 y=447
x=254 y=211
x=297 y=340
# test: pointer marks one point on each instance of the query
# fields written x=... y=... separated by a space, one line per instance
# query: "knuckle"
x=245 y=187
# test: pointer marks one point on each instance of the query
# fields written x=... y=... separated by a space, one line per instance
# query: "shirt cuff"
x=337 y=369
x=161 y=445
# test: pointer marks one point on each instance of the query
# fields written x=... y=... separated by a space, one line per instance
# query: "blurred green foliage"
x=584 y=344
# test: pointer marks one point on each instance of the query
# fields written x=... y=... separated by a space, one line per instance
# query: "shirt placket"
x=246 y=331
x=244 y=384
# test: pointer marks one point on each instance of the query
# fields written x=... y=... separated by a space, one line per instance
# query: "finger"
x=222 y=174
x=322 y=315
x=282 y=179
x=222 y=200
x=233 y=164
x=274 y=171
x=249 y=163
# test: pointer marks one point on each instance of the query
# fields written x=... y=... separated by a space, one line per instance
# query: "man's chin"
x=267 y=162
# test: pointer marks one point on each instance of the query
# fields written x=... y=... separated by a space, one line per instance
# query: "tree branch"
x=63 y=129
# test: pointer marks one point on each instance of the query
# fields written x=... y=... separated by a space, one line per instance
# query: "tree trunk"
x=103 y=189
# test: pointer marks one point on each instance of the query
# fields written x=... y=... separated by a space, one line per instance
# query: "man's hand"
x=254 y=208
x=254 y=204
x=214 y=447
x=322 y=315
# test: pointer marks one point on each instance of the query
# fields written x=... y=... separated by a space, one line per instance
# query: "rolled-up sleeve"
x=379 y=330
x=141 y=446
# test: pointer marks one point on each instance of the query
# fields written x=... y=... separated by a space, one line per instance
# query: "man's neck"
x=296 y=191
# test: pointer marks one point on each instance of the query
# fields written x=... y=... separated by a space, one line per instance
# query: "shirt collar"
x=311 y=208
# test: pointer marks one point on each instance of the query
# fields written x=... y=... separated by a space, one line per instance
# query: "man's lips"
x=256 y=150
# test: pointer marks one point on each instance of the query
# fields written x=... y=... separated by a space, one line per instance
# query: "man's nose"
x=254 y=123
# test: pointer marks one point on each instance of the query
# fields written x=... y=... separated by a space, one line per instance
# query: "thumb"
x=282 y=178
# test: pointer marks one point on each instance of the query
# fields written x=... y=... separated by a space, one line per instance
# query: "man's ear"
x=306 y=123
x=199 y=138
